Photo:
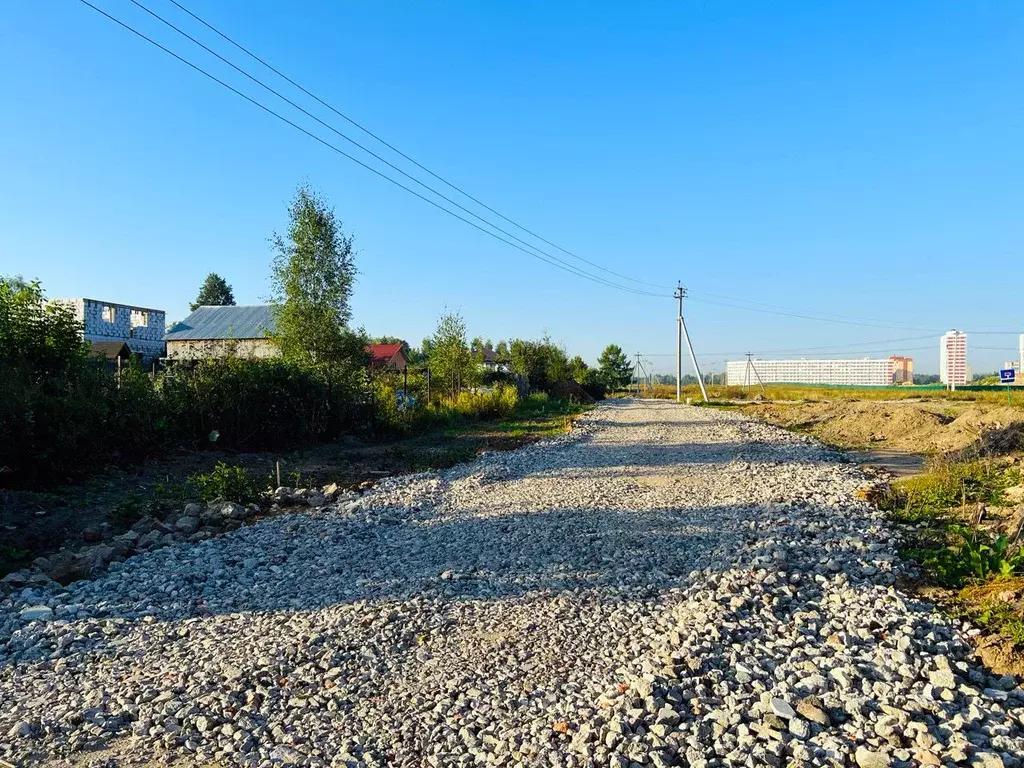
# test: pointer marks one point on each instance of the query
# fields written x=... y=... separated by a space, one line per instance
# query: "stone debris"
x=663 y=586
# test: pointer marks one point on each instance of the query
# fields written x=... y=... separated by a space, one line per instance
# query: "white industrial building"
x=864 y=373
x=953 y=368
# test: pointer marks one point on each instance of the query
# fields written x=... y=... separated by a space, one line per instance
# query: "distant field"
x=994 y=395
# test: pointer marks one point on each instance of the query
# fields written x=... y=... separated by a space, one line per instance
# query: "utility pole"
x=679 y=344
x=680 y=335
x=752 y=367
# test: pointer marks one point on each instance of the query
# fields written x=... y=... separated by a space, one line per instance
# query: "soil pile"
x=902 y=425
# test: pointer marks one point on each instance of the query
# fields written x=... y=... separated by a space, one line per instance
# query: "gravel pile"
x=663 y=586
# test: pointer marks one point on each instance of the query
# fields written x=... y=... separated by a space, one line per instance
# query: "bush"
x=496 y=403
x=230 y=483
x=62 y=412
x=257 y=405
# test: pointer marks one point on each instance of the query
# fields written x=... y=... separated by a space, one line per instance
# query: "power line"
x=828 y=347
x=360 y=146
x=556 y=262
x=775 y=309
x=819 y=318
x=396 y=150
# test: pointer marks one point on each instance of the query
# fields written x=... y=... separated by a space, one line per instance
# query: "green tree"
x=215 y=292
x=476 y=348
x=14 y=282
x=501 y=351
x=311 y=277
x=579 y=370
x=616 y=371
x=543 y=363
x=451 y=360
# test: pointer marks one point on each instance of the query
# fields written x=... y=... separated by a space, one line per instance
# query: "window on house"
x=109 y=314
x=140 y=319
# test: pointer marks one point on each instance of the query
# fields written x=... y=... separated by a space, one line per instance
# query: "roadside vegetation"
x=962 y=522
x=85 y=445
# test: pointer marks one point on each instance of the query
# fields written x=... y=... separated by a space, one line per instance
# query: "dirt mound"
x=1003 y=440
x=915 y=426
x=572 y=389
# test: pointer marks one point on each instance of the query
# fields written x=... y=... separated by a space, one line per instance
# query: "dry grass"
x=793 y=392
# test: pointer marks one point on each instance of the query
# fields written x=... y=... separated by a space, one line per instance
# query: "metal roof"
x=251 y=321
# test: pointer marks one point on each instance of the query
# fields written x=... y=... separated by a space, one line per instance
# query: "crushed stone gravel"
x=664 y=585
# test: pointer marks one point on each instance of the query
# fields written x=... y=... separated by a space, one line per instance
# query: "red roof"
x=382 y=353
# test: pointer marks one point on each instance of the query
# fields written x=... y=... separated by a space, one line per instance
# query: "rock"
x=19 y=730
x=667 y=715
x=187 y=525
x=942 y=678
x=150 y=540
x=67 y=567
x=36 y=613
x=193 y=509
x=811 y=709
x=91 y=535
x=782 y=708
x=233 y=511
x=869 y=758
x=986 y=760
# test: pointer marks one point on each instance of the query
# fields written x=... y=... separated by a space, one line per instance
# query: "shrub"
x=230 y=483
x=61 y=412
x=257 y=404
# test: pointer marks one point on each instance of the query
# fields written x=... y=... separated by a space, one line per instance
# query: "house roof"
x=248 y=321
x=382 y=353
x=111 y=350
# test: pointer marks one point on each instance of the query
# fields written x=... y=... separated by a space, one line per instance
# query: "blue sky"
x=861 y=160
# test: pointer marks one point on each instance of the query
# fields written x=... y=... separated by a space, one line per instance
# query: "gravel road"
x=666 y=585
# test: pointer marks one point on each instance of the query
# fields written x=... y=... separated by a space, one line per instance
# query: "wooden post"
x=277 y=465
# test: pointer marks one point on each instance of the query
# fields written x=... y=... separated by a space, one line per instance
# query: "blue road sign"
x=1006 y=376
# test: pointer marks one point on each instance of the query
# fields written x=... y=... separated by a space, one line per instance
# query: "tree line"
x=62 y=412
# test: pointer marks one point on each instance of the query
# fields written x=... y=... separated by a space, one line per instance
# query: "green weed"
x=231 y=483
x=971 y=555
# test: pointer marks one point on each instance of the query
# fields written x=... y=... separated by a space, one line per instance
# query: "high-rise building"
x=902 y=369
x=953 y=370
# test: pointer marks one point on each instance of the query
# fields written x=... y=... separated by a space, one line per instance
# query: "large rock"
x=870 y=758
x=66 y=567
x=37 y=613
x=187 y=525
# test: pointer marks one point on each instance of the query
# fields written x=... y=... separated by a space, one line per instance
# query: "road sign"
x=1006 y=376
